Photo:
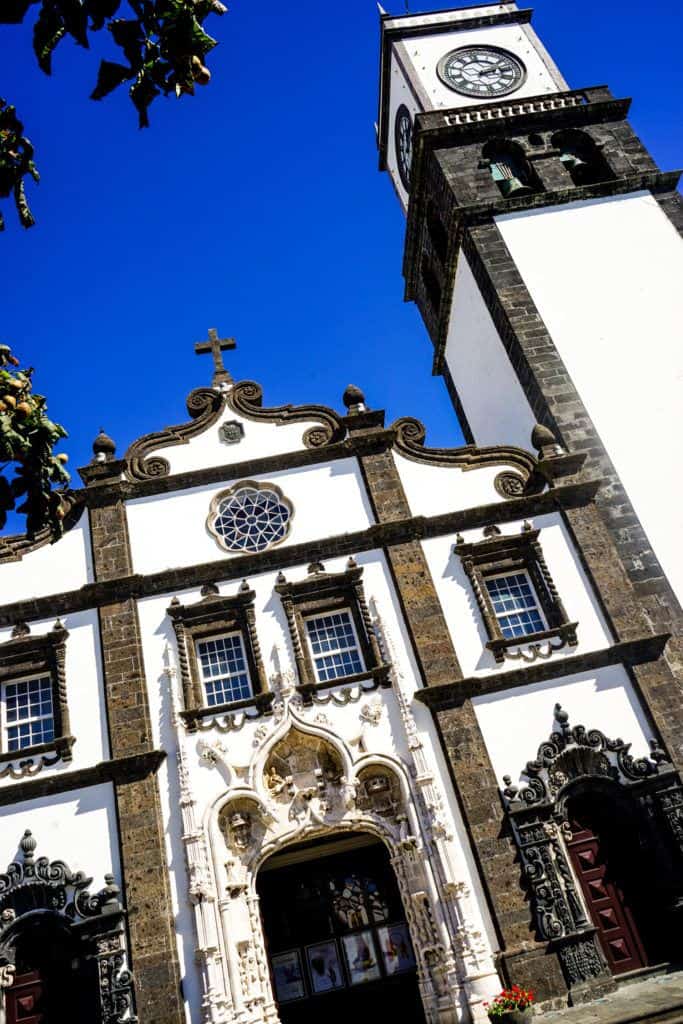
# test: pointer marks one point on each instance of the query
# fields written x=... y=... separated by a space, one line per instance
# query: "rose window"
x=250 y=517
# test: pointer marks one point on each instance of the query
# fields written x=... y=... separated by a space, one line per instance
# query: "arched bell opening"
x=336 y=932
x=581 y=157
x=510 y=169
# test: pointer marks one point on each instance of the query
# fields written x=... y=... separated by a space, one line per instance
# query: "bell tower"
x=544 y=251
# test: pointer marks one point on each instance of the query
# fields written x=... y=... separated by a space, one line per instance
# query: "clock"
x=403 y=140
x=481 y=71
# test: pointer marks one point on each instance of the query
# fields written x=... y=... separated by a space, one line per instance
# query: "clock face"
x=403 y=140
x=481 y=71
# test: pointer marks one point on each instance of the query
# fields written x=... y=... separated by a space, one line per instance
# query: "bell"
x=573 y=162
x=511 y=187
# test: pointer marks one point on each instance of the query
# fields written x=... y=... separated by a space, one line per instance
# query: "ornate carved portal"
x=304 y=783
x=48 y=914
x=575 y=878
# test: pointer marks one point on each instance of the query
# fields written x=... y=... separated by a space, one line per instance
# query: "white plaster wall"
x=606 y=277
x=431 y=490
x=78 y=827
x=493 y=399
x=168 y=531
x=64 y=565
x=85 y=691
x=209 y=784
x=425 y=52
x=260 y=440
x=514 y=723
x=462 y=613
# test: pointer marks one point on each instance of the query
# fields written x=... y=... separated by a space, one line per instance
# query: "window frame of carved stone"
x=323 y=593
x=23 y=658
x=212 y=617
x=504 y=555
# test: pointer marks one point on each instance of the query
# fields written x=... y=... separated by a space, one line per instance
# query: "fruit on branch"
x=27 y=440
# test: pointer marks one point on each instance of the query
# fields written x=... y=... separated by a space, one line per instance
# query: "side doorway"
x=613 y=874
x=337 y=940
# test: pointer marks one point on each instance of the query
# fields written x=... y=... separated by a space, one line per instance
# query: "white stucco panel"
x=168 y=531
x=401 y=95
x=462 y=614
x=620 y=337
x=488 y=387
x=260 y=439
x=78 y=827
x=64 y=565
x=514 y=723
x=431 y=490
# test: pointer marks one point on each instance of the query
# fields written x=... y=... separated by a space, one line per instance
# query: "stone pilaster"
x=523 y=959
x=153 y=948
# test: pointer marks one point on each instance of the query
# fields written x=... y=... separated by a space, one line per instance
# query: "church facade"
x=303 y=716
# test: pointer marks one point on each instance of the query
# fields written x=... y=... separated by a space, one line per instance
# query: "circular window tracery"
x=250 y=517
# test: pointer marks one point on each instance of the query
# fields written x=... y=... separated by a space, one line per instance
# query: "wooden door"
x=25 y=999
x=604 y=893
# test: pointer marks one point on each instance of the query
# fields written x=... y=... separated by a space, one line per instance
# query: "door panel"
x=25 y=1000
x=607 y=904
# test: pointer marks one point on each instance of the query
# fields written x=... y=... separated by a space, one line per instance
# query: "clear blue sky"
x=257 y=208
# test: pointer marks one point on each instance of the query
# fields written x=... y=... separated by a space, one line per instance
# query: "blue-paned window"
x=28 y=712
x=334 y=646
x=224 y=670
x=515 y=605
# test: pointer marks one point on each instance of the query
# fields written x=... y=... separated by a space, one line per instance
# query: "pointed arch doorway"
x=336 y=936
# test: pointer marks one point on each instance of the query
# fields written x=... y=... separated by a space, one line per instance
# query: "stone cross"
x=216 y=346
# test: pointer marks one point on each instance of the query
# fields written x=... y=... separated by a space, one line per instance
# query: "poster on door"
x=288 y=976
x=361 y=957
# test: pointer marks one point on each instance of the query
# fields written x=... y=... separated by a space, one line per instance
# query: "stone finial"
x=562 y=718
x=104 y=447
x=351 y=563
x=20 y=629
x=244 y=587
x=109 y=895
x=28 y=845
x=315 y=568
x=280 y=578
x=545 y=442
x=354 y=399
x=492 y=531
x=510 y=791
x=209 y=590
x=658 y=754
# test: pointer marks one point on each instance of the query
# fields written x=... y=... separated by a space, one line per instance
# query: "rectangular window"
x=28 y=713
x=223 y=669
x=515 y=604
x=334 y=646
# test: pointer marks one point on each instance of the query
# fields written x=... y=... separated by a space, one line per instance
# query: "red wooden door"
x=607 y=906
x=25 y=1000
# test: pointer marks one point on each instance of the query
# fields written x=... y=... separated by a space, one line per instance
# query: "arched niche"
x=581 y=157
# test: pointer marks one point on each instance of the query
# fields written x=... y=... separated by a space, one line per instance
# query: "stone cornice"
x=629 y=652
x=93 y=595
x=119 y=770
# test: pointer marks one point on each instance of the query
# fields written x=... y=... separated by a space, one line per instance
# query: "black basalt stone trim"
x=119 y=770
x=627 y=653
x=571 y=495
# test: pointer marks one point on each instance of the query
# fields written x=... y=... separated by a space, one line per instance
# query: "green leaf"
x=142 y=93
x=13 y=12
x=129 y=36
x=100 y=11
x=48 y=30
x=109 y=77
x=75 y=20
